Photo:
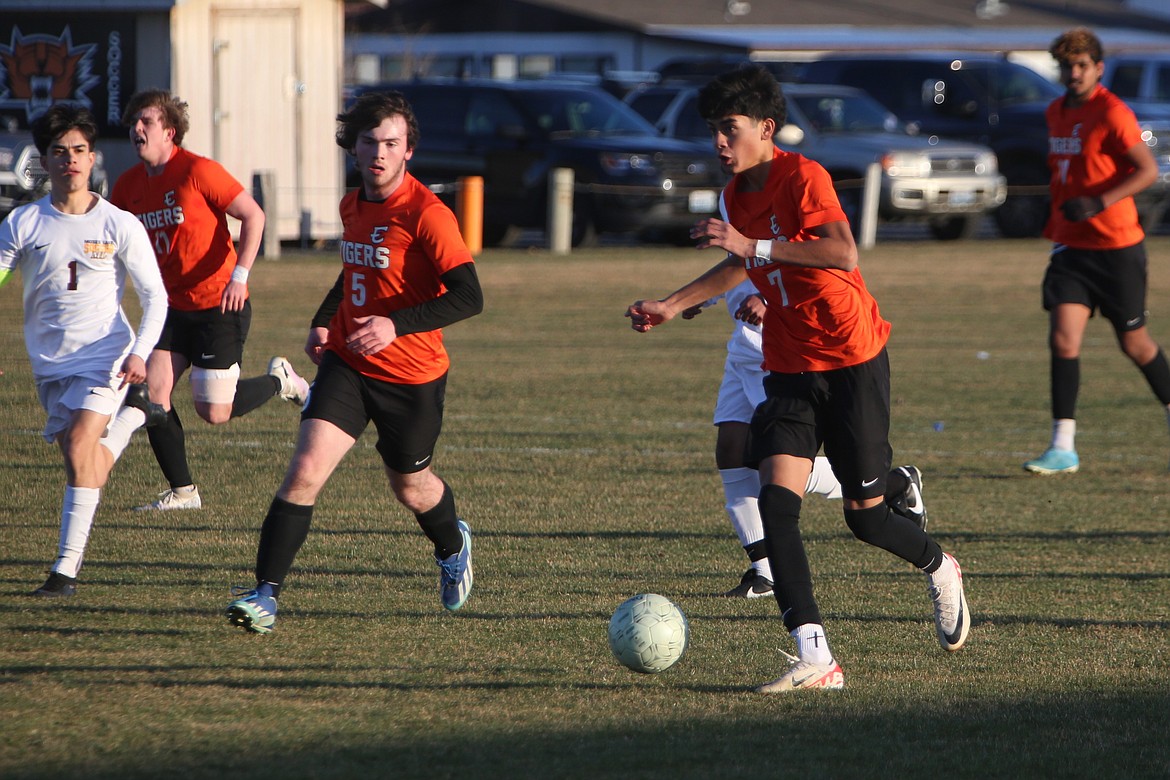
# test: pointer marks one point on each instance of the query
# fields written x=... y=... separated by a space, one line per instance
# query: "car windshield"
x=845 y=113
x=1007 y=85
x=583 y=113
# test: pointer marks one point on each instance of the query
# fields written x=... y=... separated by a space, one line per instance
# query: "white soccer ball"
x=648 y=633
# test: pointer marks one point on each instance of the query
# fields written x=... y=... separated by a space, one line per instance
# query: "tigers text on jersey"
x=73 y=268
x=1086 y=156
x=183 y=211
x=817 y=319
x=393 y=255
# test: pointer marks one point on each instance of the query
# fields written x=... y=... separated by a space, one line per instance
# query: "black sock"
x=254 y=393
x=170 y=450
x=440 y=524
x=893 y=533
x=284 y=531
x=791 y=577
x=1065 y=383
x=1157 y=373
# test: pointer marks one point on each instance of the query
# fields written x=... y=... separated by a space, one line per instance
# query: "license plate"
x=702 y=201
x=961 y=198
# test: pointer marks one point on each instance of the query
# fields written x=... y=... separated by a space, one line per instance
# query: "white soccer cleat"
x=804 y=675
x=173 y=499
x=293 y=387
x=952 y=621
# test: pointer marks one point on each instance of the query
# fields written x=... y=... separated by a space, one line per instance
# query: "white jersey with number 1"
x=74 y=269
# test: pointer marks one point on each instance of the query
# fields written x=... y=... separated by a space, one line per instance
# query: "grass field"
x=581 y=454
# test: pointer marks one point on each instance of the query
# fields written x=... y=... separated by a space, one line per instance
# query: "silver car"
x=948 y=184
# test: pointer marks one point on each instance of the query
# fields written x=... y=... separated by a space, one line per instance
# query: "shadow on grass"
x=1088 y=733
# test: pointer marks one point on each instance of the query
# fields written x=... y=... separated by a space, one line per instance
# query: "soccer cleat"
x=293 y=387
x=252 y=610
x=804 y=675
x=138 y=397
x=952 y=622
x=173 y=499
x=751 y=586
x=455 y=576
x=56 y=586
x=910 y=504
x=1054 y=461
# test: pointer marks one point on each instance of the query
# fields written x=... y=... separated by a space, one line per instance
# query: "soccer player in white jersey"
x=74 y=251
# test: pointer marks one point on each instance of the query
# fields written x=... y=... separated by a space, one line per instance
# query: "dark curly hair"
x=368 y=111
x=1079 y=40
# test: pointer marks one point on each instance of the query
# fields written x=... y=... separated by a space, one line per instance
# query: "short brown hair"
x=174 y=110
x=59 y=120
x=1079 y=40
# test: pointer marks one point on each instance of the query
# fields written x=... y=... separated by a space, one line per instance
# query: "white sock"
x=1064 y=434
x=125 y=422
x=741 y=491
x=77 y=511
x=822 y=480
x=811 y=644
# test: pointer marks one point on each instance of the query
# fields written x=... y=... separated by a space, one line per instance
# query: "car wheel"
x=954 y=228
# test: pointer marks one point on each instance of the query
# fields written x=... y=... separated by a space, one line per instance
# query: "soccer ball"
x=648 y=633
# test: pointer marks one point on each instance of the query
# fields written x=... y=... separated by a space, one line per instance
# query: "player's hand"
x=644 y=315
x=751 y=310
x=1082 y=208
x=233 y=297
x=692 y=312
x=373 y=335
x=315 y=344
x=715 y=232
x=133 y=371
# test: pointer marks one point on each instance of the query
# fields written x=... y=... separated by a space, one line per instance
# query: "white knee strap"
x=215 y=385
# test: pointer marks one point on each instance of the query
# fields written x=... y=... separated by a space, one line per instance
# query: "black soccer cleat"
x=56 y=586
x=138 y=397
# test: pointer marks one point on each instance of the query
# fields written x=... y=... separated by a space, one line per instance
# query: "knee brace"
x=215 y=385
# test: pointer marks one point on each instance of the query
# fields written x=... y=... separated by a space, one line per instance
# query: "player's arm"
x=142 y=268
x=1143 y=172
x=834 y=247
x=244 y=208
x=319 y=327
x=463 y=298
x=645 y=314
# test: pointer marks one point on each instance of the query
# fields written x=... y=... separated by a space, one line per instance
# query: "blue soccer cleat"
x=253 y=610
x=1054 y=461
x=455 y=576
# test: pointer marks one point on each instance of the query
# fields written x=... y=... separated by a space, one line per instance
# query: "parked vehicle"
x=23 y=179
x=1143 y=82
x=979 y=97
x=949 y=184
x=512 y=133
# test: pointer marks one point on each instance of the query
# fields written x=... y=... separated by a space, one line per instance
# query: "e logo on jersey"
x=378 y=233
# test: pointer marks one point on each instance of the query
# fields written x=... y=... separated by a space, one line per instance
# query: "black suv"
x=512 y=133
x=978 y=97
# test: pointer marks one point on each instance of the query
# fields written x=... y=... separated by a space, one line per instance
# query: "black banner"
x=47 y=58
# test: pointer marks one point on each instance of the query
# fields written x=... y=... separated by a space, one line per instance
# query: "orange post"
x=470 y=212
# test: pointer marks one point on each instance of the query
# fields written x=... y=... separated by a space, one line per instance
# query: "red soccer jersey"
x=1086 y=154
x=393 y=254
x=183 y=210
x=817 y=319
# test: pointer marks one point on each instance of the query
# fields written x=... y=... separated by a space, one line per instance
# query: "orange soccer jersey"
x=393 y=254
x=1086 y=155
x=817 y=319
x=183 y=209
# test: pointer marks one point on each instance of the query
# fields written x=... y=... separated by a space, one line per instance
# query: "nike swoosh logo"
x=1134 y=321
x=205 y=356
x=869 y=482
x=424 y=460
x=39 y=247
